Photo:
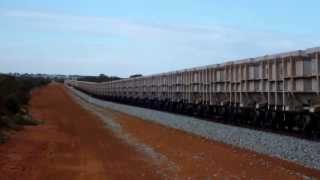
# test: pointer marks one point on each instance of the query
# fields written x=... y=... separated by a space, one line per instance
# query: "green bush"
x=12 y=103
x=25 y=120
x=14 y=94
x=10 y=123
x=3 y=138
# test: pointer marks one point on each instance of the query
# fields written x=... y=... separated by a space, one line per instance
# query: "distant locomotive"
x=280 y=91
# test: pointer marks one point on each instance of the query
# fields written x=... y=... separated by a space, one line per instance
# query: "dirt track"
x=75 y=144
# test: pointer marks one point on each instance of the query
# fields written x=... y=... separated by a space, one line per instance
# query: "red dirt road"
x=75 y=144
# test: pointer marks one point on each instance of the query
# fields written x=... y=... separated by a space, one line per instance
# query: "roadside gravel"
x=301 y=151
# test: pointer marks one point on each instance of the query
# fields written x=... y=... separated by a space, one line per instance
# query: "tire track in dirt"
x=166 y=168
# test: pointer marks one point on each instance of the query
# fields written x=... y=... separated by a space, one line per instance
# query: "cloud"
x=169 y=46
x=108 y=25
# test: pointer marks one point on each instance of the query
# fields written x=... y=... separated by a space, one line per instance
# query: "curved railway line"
x=278 y=93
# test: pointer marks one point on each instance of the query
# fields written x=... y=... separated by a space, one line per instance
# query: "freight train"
x=280 y=91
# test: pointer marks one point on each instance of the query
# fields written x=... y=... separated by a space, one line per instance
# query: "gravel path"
x=301 y=151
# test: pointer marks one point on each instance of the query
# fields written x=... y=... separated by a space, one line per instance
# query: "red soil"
x=74 y=144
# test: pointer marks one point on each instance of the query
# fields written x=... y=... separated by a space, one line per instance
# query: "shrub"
x=25 y=120
x=9 y=122
x=14 y=93
x=12 y=103
x=3 y=138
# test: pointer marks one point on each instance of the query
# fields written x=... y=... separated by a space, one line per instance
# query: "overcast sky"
x=125 y=37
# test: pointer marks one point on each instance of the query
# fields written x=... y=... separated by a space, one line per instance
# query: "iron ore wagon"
x=280 y=91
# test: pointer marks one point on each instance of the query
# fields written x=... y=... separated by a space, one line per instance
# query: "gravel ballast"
x=297 y=150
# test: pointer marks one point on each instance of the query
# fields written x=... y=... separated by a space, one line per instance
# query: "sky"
x=126 y=37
